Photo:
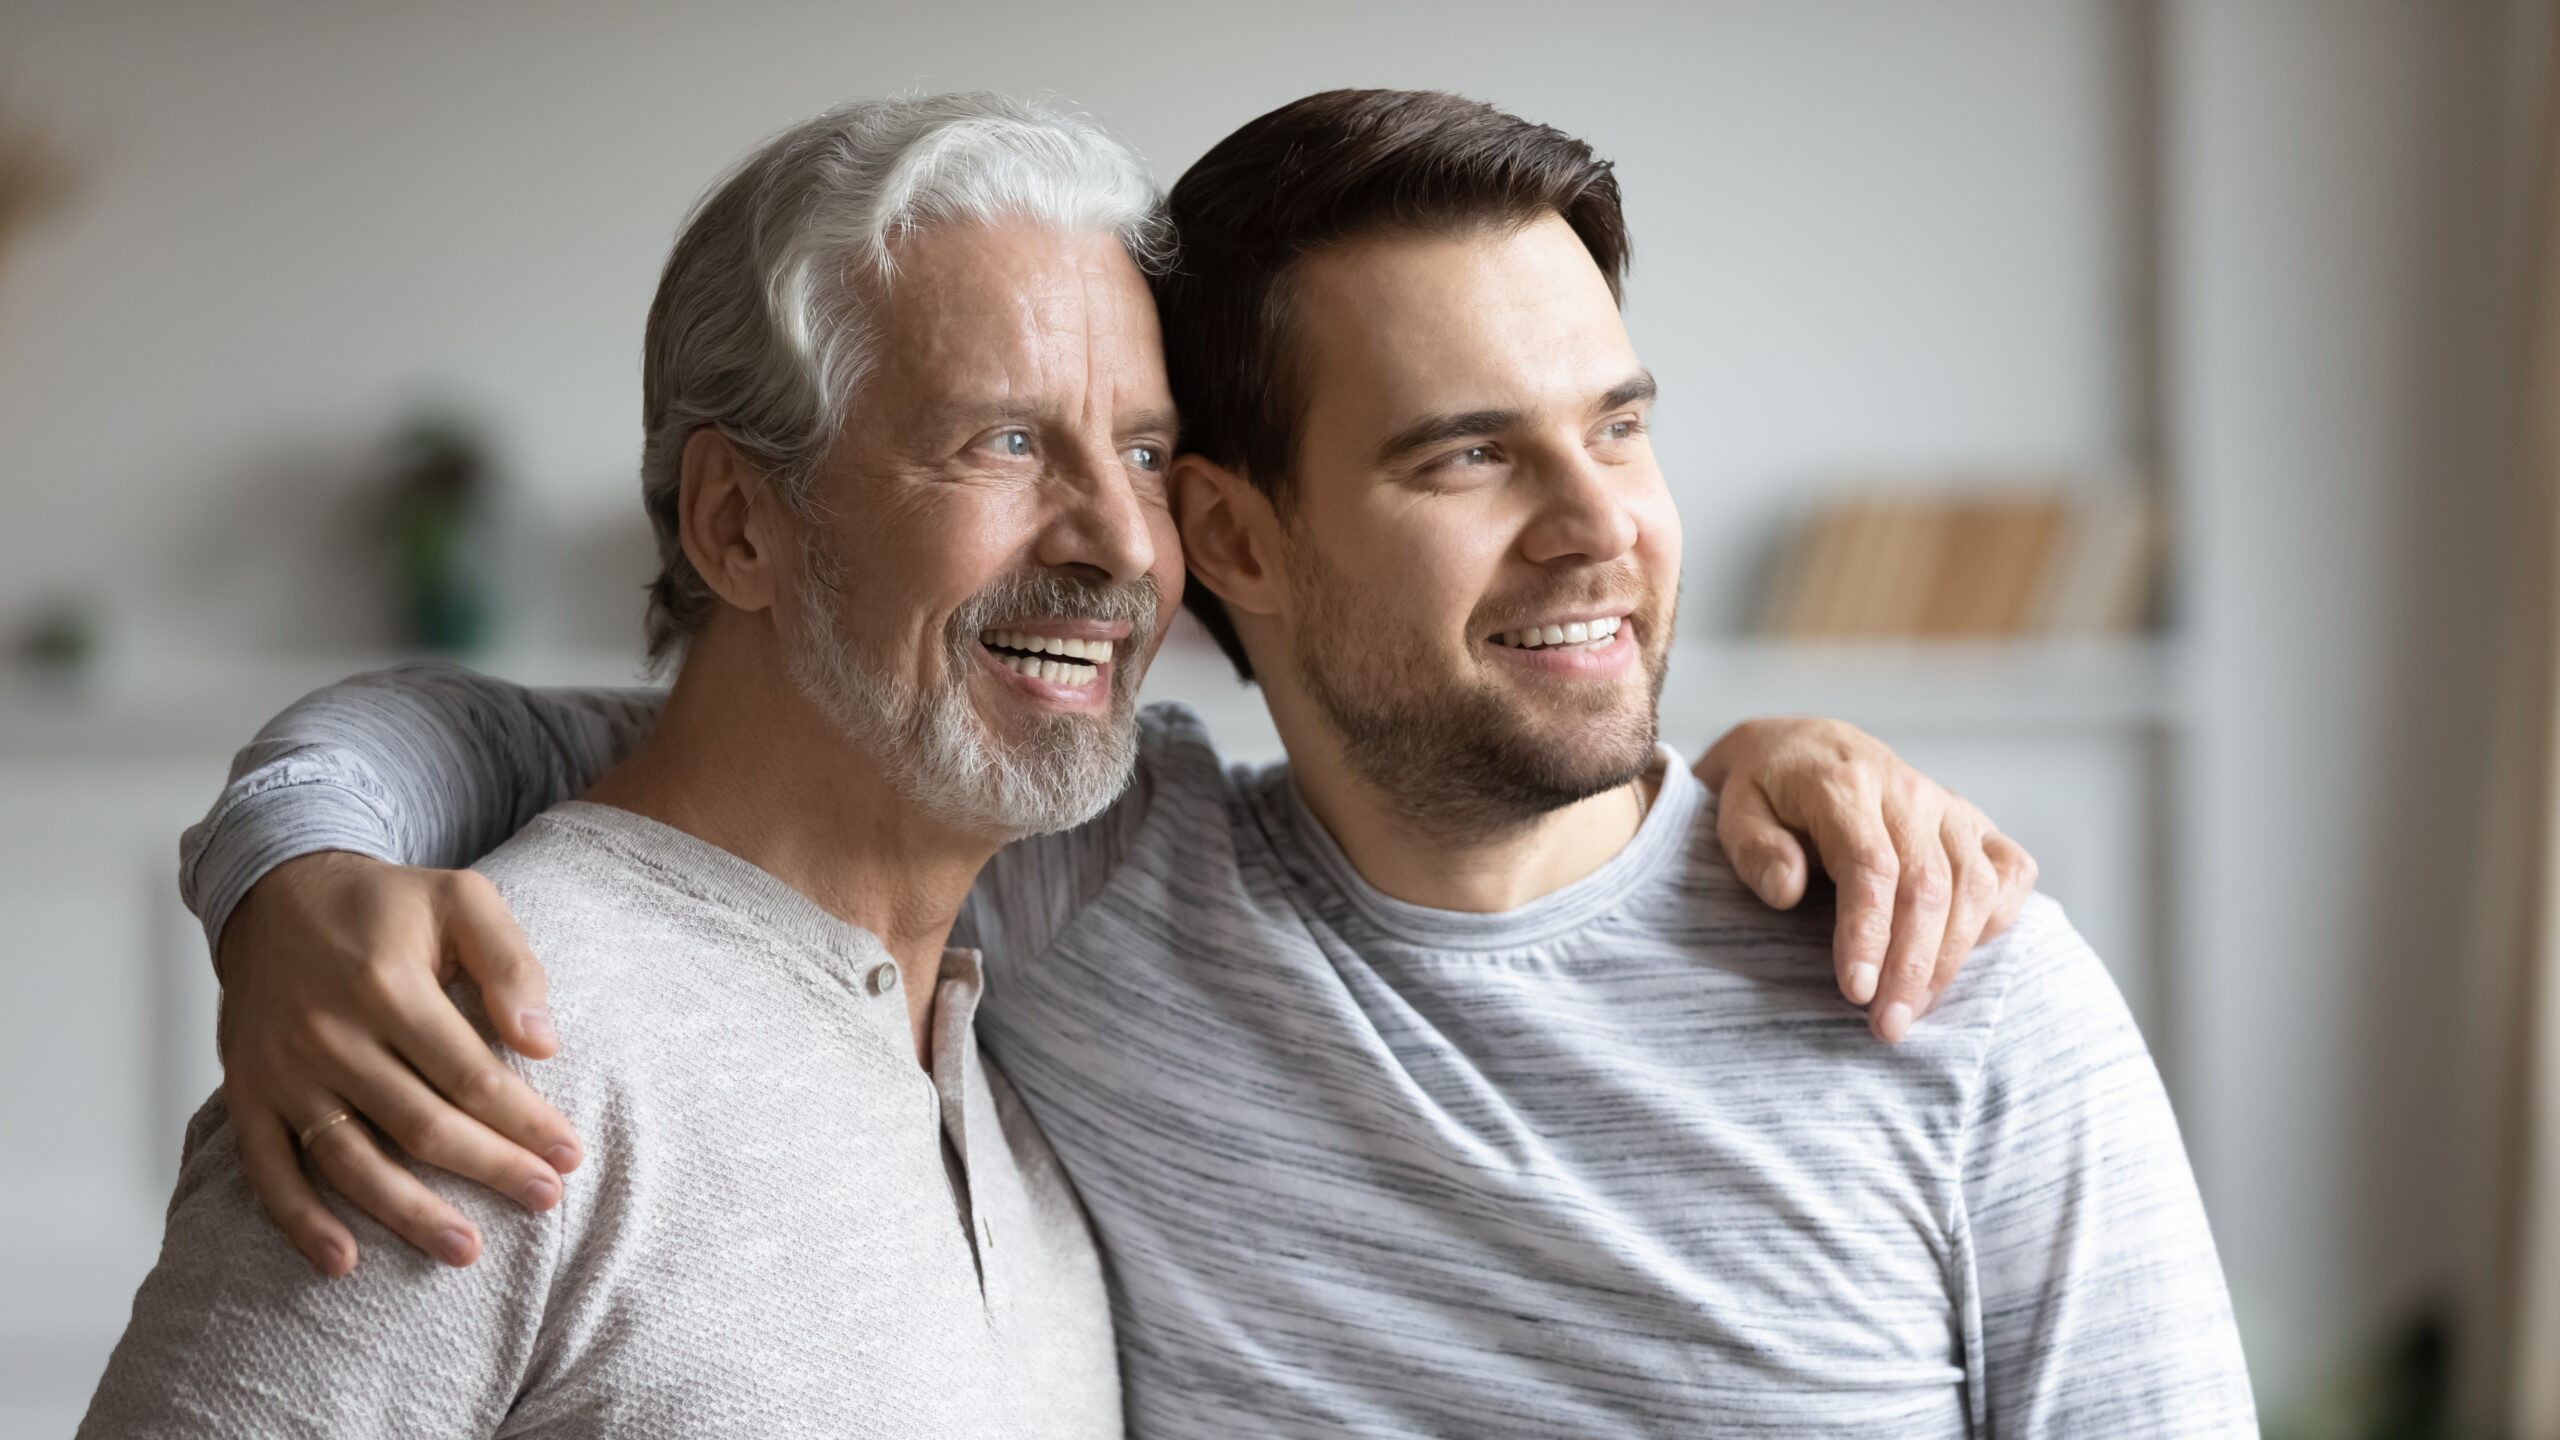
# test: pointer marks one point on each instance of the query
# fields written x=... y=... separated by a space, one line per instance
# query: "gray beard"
x=932 y=743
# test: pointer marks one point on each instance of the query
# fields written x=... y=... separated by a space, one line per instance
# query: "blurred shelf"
x=1910 y=686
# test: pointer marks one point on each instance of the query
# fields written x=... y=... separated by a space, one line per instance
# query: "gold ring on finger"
x=312 y=1131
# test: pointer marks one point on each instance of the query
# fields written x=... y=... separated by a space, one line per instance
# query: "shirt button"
x=884 y=978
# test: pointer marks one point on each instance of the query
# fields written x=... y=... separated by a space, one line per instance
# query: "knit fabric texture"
x=783 y=1225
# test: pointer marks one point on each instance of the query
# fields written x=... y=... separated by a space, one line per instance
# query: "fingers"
x=418 y=1023
x=1858 y=853
x=426 y=1125
x=2016 y=870
x=1977 y=889
x=274 y=1168
x=1762 y=850
x=1920 y=907
x=1782 y=777
x=347 y=1154
x=485 y=939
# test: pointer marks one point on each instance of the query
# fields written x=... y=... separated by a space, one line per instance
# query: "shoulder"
x=621 y=935
x=1188 y=780
x=1175 y=748
x=2039 y=977
x=572 y=884
x=1707 y=908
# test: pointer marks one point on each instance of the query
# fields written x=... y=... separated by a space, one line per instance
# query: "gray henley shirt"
x=783 y=1225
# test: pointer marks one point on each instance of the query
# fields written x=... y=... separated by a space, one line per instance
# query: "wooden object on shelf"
x=33 y=179
x=2053 y=560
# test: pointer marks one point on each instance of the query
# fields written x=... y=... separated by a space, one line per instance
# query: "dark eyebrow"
x=1632 y=390
x=1439 y=429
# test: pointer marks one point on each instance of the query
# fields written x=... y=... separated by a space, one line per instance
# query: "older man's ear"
x=733 y=523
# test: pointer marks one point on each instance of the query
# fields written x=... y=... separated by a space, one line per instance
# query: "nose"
x=1582 y=516
x=1098 y=524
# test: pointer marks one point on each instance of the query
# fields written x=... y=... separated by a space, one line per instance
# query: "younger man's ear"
x=1230 y=535
x=730 y=521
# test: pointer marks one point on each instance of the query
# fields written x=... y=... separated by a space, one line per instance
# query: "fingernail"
x=454 y=1247
x=1862 y=982
x=535 y=1022
x=1895 y=1020
x=333 y=1258
x=562 y=1157
x=540 y=1192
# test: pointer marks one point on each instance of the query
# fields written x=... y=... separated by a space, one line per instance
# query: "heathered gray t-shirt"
x=783 y=1226
x=1620 y=1162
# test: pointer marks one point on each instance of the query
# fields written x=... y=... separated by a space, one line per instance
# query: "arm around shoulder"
x=426 y=764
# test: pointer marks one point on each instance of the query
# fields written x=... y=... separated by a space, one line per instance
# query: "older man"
x=811 y=1208
x=1446 y=1080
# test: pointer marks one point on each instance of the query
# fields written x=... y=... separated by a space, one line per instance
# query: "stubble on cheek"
x=1463 y=748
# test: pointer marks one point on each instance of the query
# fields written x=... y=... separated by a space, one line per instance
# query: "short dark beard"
x=1457 y=761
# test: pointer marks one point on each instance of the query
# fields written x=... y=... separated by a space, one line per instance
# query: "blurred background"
x=2131 y=409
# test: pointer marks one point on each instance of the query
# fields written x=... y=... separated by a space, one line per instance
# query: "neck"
x=1420 y=860
x=741 y=760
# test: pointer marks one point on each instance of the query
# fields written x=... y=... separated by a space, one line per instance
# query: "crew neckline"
x=1656 y=845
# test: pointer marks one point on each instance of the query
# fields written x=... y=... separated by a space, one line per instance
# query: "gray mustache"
x=1031 y=594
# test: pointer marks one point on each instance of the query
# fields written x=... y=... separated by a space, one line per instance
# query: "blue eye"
x=1014 y=442
x=1144 y=457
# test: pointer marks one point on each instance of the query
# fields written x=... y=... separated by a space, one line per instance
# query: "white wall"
x=1869 y=233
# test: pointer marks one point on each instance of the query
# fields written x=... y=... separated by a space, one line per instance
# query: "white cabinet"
x=106 y=1045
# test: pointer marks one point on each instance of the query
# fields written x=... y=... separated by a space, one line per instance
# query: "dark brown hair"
x=1335 y=167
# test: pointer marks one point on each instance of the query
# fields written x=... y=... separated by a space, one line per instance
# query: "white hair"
x=760 y=327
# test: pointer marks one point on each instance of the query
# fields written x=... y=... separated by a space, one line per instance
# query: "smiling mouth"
x=1071 y=663
x=1581 y=635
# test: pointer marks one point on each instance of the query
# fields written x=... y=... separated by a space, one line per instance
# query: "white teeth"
x=1095 y=652
x=1580 y=632
x=1056 y=672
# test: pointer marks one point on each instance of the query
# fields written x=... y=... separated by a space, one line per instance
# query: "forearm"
x=421 y=765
